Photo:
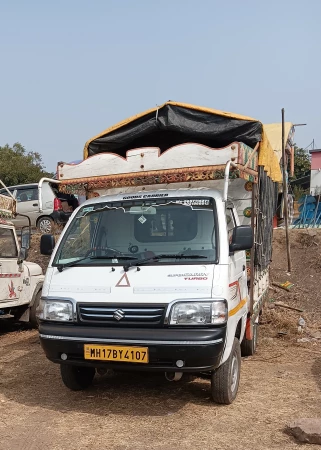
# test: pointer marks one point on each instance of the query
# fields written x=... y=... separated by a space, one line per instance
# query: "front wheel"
x=225 y=380
x=77 y=378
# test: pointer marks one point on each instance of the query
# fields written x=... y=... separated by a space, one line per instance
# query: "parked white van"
x=42 y=203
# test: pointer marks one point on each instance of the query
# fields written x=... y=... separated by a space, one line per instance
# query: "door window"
x=5 y=192
x=27 y=195
x=8 y=247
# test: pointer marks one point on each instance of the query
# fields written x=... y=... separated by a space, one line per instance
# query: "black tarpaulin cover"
x=176 y=123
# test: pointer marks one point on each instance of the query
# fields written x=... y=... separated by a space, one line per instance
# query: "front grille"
x=122 y=315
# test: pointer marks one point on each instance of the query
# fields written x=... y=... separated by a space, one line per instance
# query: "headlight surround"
x=55 y=310
x=199 y=313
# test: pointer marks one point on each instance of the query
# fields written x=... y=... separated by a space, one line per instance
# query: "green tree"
x=302 y=164
x=17 y=166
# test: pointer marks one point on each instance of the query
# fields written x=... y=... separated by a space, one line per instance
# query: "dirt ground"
x=128 y=412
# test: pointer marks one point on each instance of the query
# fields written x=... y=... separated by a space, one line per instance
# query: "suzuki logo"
x=119 y=314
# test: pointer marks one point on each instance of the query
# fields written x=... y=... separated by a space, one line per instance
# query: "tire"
x=225 y=380
x=32 y=314
x=45 y=225
x=248 y=347
x=77 y=378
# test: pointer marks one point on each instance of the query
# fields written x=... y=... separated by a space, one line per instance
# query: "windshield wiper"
x=61 y=267
x=138 y=262
x=114 y=257
x=163 y=256
x=182 y=255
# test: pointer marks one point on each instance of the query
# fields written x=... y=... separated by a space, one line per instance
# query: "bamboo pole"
x=285 y=198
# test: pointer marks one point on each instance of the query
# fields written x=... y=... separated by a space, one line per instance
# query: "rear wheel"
x=77 y=378
x=248 y=346
x=32 y=314
x=45 y=225
x=225 y=380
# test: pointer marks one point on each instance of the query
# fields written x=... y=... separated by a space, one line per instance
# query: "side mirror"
x=25 y=238
x=242 y=239
x=47 y=244
x=23 y=255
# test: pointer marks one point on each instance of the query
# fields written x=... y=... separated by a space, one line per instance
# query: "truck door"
x=237 y=263
x=10 y=277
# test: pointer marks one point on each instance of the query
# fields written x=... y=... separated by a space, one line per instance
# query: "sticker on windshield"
x=114 y=261
x=193 y=202
x=142 y=219
x=88 y=209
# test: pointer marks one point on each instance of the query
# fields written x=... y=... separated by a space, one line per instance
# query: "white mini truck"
x=20 y=281
x=157 y=269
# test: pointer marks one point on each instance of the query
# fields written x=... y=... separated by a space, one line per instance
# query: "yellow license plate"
x=116 y=353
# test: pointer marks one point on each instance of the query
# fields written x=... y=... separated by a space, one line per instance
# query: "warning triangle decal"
x=124 y=281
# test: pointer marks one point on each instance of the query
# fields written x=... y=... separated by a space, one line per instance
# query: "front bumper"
x=200 y=349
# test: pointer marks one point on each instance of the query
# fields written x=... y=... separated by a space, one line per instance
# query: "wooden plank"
x=252 y=155
x=282 y=305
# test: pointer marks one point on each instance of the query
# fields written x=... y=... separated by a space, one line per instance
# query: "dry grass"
x=280 y=320
x=308 y=238
x=305 y=275
x=34 y=252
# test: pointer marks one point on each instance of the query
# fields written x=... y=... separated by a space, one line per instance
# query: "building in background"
x=315 y=179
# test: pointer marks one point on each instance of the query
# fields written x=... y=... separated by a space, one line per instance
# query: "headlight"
x=55 y=310
x=199 y=313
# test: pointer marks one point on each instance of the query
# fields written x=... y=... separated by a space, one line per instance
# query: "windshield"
x=112 y=233
x=8 y=247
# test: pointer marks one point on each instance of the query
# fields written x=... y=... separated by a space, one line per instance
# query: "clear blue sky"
x=71 y=68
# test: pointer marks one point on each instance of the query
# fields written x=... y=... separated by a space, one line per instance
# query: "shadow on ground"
x=9 y=326
x=27 y=377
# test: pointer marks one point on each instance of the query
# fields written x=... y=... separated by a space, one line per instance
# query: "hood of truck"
x=33 y=268
x=148 y=284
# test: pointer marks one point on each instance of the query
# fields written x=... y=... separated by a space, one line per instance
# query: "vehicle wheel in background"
x=248 y=346
x=225 y=380
x=45 y=225
x=32 y=314
x=77 y=378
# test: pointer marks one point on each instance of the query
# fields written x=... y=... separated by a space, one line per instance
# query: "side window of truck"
x=8 y=248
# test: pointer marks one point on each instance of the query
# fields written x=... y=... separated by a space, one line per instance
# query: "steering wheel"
x=107 y=249
x=104 y=250
x=114 y=251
